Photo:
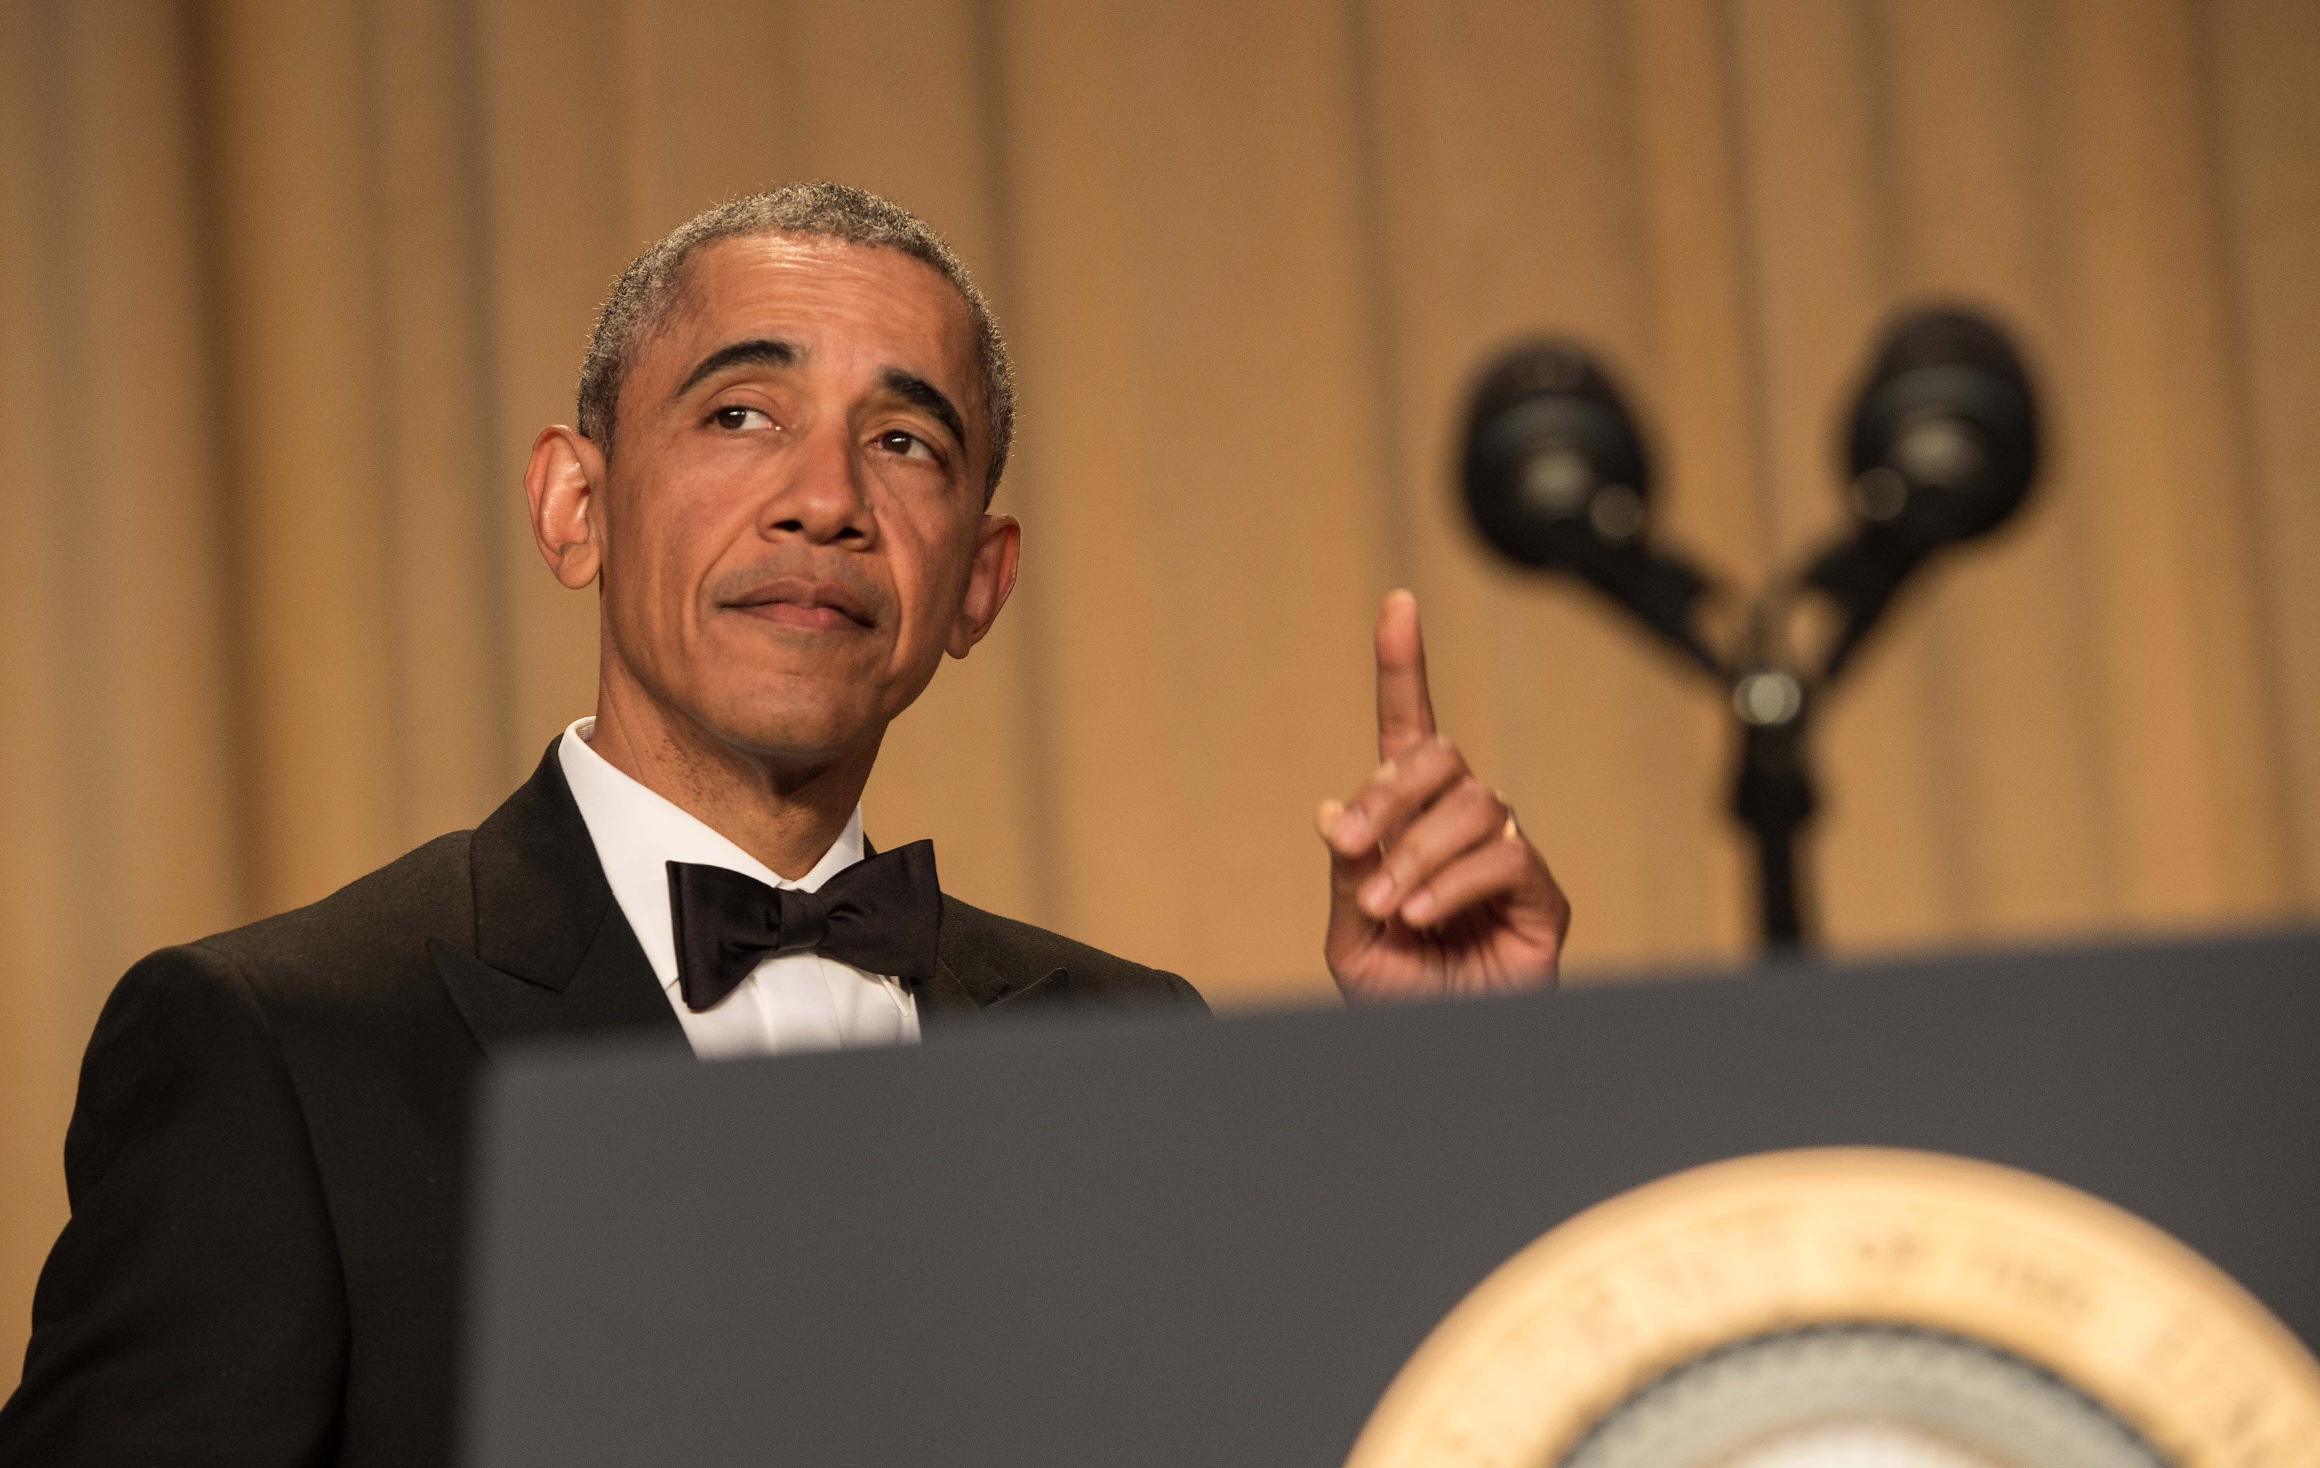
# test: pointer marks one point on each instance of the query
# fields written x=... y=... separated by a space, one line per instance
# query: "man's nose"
x=821 y=493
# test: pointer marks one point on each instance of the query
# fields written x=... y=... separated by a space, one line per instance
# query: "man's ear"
x=563 y=484
x=997 y=541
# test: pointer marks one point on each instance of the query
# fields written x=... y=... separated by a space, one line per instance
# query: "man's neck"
x=786 y=818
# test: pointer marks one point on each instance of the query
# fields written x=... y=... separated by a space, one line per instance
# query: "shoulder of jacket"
x=1030 y=949
x=376 y=919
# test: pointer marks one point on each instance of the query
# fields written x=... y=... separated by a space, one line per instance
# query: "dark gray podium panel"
x=1183 y=1242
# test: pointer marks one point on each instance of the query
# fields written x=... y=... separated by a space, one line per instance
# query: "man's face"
x=792 y=524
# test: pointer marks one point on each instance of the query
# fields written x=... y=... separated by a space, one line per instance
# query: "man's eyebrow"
x=763 y=351
x=914 y=389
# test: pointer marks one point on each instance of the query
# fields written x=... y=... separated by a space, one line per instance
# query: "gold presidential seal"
x=1864 y=1307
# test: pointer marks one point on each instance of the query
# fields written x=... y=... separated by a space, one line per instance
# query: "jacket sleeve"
x=193 y=1310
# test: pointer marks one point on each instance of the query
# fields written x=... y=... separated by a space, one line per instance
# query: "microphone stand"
x=1942 y=447
x=1772 y=699
x=1773 y=791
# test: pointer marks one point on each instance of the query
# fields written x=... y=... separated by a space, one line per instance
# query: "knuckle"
x=1386 y=818
x=1413 y=855
x=1483 y=873
x=1470 y=813
x=1447 y=842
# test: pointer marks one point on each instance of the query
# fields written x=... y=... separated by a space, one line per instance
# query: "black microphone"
x=1557 y=479
x=1942 y=447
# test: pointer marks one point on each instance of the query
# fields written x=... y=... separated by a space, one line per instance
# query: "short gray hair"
x=652 y=285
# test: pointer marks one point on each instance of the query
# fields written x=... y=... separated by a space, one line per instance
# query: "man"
x=792 y=417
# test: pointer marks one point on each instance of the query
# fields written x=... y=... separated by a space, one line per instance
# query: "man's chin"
x=798 y=737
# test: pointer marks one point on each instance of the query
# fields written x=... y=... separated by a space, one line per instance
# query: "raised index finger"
x=1404 y=708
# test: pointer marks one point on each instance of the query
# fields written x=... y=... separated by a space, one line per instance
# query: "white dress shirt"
x=795 y=1001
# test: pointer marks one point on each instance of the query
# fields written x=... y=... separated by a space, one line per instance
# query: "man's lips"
x=790 y=614
x=796 y=602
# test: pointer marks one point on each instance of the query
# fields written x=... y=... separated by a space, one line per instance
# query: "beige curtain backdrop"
x=285 y=290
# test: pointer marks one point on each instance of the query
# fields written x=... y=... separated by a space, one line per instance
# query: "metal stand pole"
x=1772 y=794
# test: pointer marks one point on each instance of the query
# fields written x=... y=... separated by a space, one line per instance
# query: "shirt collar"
x=638 y=832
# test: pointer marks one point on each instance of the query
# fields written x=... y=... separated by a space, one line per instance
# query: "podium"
x=1178 y=1241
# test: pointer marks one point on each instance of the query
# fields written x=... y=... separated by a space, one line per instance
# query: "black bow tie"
x=882 y=915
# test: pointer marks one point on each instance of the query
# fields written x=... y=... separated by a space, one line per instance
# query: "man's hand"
x=1433 y=889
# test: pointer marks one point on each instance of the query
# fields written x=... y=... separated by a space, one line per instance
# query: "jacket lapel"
x=553 y=954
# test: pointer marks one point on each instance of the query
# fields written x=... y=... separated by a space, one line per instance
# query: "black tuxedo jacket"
x=265 y=1161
